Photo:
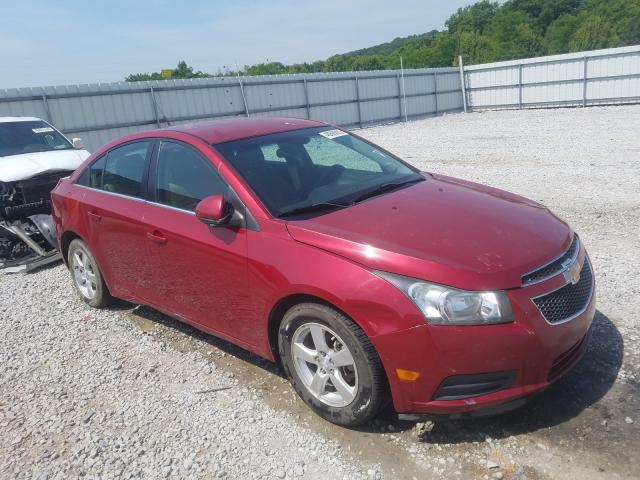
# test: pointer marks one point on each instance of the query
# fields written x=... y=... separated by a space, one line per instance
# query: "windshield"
x=29 y=137
x=316 y=167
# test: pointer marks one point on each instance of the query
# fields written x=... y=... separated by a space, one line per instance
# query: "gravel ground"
x=130 y=393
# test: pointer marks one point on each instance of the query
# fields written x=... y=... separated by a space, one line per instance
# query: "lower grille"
x=465 y=386
x=565 y=361
x=568 y=301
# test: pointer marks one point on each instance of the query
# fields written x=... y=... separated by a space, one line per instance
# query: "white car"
x=33 y=157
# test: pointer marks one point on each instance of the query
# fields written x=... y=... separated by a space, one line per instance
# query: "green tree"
x=515 y=35
x=474 y=18
x=483 y=32
x=593 y=33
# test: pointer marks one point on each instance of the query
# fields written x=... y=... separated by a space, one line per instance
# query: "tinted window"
x=185 y=177
x=297 y=169
x=124 y=169
x=92 y=175
x=95 y=172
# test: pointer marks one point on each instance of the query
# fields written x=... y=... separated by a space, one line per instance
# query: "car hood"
x=27 y=165
x=444 y=230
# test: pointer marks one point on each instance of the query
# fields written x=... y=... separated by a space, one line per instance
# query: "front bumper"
x=537 y=352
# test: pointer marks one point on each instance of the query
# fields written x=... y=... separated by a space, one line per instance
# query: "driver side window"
x=184 y=177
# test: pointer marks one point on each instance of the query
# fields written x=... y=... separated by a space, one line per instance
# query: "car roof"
x=19 y=119
x=229 y=129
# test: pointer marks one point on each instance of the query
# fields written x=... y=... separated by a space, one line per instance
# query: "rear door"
x=113 y=207
x=200 y=273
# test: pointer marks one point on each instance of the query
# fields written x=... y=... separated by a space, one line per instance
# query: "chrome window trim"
x=115 y=194
x=564 y=267
x=143 y=200
x=593 y=287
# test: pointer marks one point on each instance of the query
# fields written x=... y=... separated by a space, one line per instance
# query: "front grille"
x=554 y=267
x=568 y=301
x=568 y=359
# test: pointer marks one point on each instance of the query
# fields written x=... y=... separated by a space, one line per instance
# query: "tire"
x=346 y=388
x=86 y=276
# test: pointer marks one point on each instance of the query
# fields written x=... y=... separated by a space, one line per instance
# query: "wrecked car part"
x=27 y=233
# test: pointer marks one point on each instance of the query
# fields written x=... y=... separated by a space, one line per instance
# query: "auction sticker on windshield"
x=42 y=130
x=331 y=134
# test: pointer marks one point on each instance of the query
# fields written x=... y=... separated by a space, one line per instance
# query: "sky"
x=46 y=42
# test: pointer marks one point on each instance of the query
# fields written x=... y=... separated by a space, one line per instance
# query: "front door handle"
x=157 y=237
x=95 y=217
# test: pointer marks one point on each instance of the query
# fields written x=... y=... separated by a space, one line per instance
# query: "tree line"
x=483 y=32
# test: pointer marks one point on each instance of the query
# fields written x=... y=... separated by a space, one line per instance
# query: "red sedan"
x=367 y=279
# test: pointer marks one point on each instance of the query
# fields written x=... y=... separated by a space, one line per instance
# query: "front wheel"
x=331 y=364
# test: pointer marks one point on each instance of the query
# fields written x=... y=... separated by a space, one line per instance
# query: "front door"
x=199 y=273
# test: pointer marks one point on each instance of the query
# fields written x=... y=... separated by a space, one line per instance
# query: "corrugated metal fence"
x=598 y=77
x=101 y=112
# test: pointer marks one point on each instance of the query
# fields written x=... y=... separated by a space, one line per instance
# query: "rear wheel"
x=86 y=275
x=331 y=364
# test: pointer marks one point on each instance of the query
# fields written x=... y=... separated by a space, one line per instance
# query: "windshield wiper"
x=316 y=207
x=384 y=188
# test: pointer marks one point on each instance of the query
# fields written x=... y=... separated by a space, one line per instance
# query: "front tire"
x=86 y=276
x=331 y=364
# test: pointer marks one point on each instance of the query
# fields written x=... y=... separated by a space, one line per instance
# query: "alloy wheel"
x=84 y=274
x=325 y=365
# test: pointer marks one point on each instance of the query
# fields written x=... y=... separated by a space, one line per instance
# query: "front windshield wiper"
x=384 y=188
x=316 y=207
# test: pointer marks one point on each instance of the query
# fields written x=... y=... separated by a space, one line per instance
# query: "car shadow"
x=225 y=346
x=582 y=387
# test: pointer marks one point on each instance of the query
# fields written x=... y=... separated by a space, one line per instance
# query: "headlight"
x=448 y=306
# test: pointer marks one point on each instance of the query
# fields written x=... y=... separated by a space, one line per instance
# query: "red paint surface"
x=227 y=281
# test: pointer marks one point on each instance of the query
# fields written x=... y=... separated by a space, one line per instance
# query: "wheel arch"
x=65 y=240
x=284 y=304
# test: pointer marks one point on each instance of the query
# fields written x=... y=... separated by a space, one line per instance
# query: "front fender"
x=280 y=267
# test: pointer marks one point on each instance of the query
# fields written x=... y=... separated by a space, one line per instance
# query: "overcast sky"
x=44 y=42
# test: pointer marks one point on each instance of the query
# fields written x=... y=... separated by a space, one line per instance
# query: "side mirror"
x=77 y=143
x=214 y=210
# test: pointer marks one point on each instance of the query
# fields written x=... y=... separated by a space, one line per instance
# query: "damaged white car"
x=33 y=157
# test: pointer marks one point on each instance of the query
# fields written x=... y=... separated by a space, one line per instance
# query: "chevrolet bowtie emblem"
x=572 y=273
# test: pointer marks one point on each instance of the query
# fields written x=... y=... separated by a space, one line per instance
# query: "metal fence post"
x=46 y=108
x=584 y=83
x=306 y=97
x=435 y=90
x=463 y=84
x=358 y=100
x=520 y=86
x=155 y=106
x=244 y=99
x=399 y=94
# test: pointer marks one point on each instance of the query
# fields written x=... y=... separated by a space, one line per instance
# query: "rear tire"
x=86 y=276
x=331 y=364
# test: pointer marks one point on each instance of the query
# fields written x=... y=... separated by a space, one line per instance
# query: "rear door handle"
x=95 y=217
x=157 y=237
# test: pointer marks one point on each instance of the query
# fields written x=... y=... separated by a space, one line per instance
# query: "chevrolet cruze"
x=368 y=280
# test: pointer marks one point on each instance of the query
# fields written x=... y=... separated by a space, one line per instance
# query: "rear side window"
x=185 y=177
x=124 y=169
x=95 y=173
